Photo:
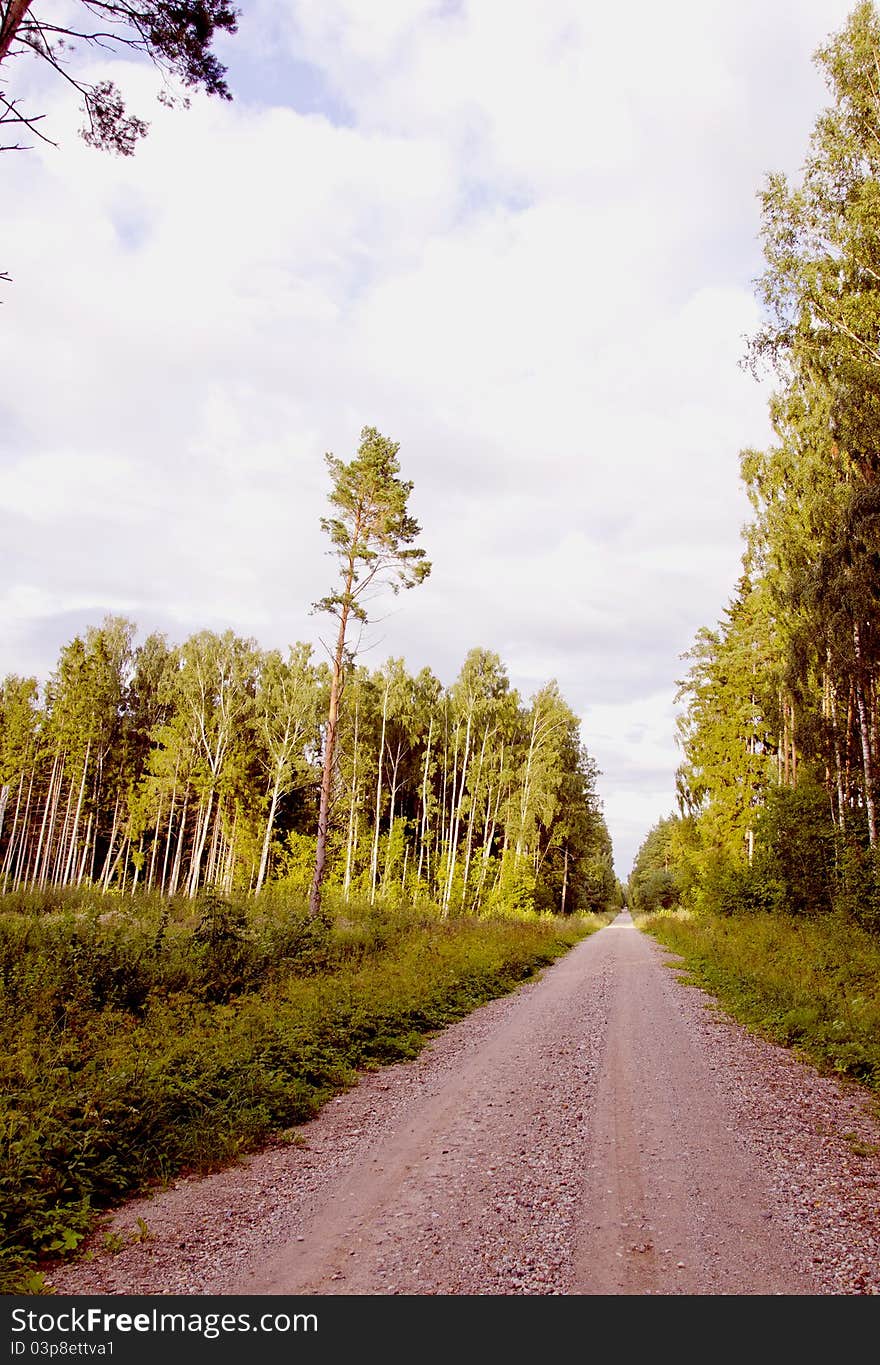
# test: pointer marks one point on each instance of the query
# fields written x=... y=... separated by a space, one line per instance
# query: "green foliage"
x=795 y=850
x=802 y=865
x=724 y=732
x=372 y=531
x=296 y=863
x=148 y=1039
x=663 y=872
x=657 y=890
x=514 y=891
x=857 y=890
x=730 y=887
x=196 y=769
x=19 y=720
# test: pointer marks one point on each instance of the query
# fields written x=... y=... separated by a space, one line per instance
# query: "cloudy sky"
x=519 y=238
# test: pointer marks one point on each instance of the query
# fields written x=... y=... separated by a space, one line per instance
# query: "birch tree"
x=286 y=718
x=216 y=693
x=20 y=719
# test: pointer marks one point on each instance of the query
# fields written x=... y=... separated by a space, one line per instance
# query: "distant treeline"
x=778 y=791
x=196 y=767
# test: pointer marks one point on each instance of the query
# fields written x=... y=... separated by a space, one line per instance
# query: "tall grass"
x=812 y=984
x=139 y=1040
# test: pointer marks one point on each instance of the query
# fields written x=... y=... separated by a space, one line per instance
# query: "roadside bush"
x=795 y=847
x=133 y=1047
x=857 y=894
x=730 y=888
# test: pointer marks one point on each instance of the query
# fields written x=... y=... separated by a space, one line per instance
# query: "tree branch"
x=842 y=328
x=9 y=113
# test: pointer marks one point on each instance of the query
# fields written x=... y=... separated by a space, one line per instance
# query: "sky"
x=519 y=239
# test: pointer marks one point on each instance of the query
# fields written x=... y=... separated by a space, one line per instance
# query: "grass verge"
x=811 y=984
x=134 y=1047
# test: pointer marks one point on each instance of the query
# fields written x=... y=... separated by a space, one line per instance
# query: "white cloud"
x=525 y=252
x=636 y=740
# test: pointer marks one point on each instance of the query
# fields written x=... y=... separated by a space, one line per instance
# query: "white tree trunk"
x=374 y=859
x=453 y=841
x=71 y=857
x=423 y=831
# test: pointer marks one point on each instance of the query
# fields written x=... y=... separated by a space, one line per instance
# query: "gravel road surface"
x=603 y=1130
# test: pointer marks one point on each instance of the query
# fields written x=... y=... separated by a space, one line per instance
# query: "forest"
x=215 y=766
x=777 y=790
x=195 y=767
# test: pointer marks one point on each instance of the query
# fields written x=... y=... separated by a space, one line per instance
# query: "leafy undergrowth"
x=811 y=984
x=138 y=1044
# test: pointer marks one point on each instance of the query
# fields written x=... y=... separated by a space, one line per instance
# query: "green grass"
x=140 y=1040
x=811 y=984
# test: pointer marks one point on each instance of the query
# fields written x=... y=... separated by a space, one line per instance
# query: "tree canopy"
x=176 y=36
x=194 y=767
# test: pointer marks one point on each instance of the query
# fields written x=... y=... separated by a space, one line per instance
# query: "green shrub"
x=142 y=1041
x=657 y=890
x=857 y=893
x=795 y=851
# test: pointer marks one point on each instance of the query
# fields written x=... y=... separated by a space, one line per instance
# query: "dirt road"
x=601 y=1131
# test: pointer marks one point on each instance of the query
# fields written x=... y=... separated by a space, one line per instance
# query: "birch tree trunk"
x=46 y=805
x=453 y=842
x=105 y=871
x=10 y=847
x=374 y=856
x=865 y=735
x=178 y=854
x=4 y=800
x=62 y=838
x=394 y=789
x=270 y=823
x=85 y=852
x=50 y=833
x=336 y=685
x=122 y=857
x=25 y=834
x=488 y=835
x=170 y=832
x=215 y=837
x=155 y=845
x=424 y=814
x=564 y=882
x=199 y=844
x=111 y=863
x=470 y=832
x=71 y=857
x=352 y=806
x=137 y=866
x=229 y=873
